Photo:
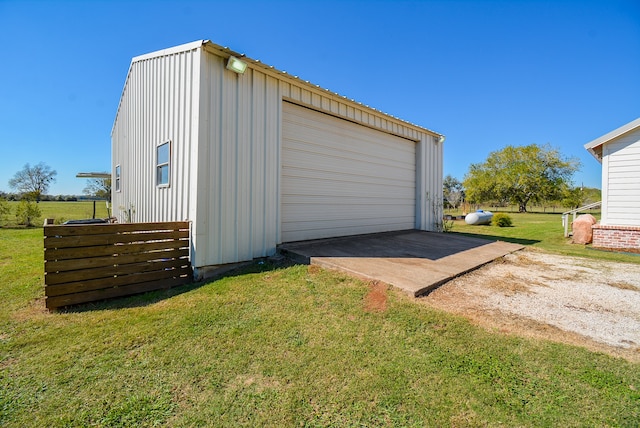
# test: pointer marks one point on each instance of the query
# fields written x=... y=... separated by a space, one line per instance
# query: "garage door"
x=340 y=178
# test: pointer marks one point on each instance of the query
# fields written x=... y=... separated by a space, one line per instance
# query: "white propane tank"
x=479 y=217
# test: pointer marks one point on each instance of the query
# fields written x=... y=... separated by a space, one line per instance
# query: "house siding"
x=621 y=181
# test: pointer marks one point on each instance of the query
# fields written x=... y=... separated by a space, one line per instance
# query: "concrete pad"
x=412 y=260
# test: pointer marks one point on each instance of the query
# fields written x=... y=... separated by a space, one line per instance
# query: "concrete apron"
x=411 y=260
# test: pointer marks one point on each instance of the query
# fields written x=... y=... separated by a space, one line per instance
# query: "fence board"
x=107 y=250
x=109 y=293
x=110 y=229
x=52 y=242
x=109 y=271
x=115 y=281
x=84 y=263
x=110 y=260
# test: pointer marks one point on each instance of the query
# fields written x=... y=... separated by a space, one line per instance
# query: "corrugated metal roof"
x=286 y=76
x=268 y=69
x=170 y=51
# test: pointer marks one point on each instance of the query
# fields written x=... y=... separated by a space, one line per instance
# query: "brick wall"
x=616 y=237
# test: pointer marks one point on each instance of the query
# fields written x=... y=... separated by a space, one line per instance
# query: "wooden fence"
x=86 y=263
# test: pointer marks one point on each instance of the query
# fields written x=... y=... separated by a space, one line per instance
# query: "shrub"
x=501 y=220
x=27 y=213
x=59 y=220
x=5 y=210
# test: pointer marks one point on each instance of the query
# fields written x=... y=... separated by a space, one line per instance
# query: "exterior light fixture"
x=234 y=64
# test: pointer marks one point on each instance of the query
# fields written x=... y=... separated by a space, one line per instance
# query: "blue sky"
x=484 y=73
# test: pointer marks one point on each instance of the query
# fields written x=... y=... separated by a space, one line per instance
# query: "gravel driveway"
x=585 y=302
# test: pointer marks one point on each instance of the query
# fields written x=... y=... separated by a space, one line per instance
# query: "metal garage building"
x=260 y=157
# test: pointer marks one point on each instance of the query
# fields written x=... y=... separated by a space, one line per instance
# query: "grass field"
x=60 y=211
x=284 y=346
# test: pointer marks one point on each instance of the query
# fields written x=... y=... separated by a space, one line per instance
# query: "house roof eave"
x=595 y=147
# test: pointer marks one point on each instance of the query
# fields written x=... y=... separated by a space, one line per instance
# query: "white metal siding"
x=621 y=181
x=341 y=178
x=239 y=163
x=159 y=103
x=226 y=149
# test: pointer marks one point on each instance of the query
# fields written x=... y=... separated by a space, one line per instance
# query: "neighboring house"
x=619 y=153
x=261 y=157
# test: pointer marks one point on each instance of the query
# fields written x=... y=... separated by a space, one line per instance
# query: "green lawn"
x=283 y=346
x=540 y=230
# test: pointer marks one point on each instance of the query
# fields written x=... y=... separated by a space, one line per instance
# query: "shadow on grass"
x=152 y=297
x=520 y=241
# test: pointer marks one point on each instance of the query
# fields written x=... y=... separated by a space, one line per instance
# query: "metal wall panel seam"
x=200 y=190
x=266 y=184
x=237 y=199
x=220 y=185
x=182 y=177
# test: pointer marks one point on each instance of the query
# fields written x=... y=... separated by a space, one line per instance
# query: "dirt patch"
x=313 y=269
x=36 y=309
x=376 y=298
x=590 y=303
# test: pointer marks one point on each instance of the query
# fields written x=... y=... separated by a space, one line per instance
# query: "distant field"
x=60 y=211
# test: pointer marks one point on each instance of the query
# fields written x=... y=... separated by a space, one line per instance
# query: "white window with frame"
x=117 y=174
x=163 y=158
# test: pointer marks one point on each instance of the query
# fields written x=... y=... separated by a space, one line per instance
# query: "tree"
x=576 y=197
x=27 y=212
x=5 y=209
x=591 y=195
x=99 y=188
x=573 y=197
x=452 y=190
x=33 y=181
x=520 y=175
